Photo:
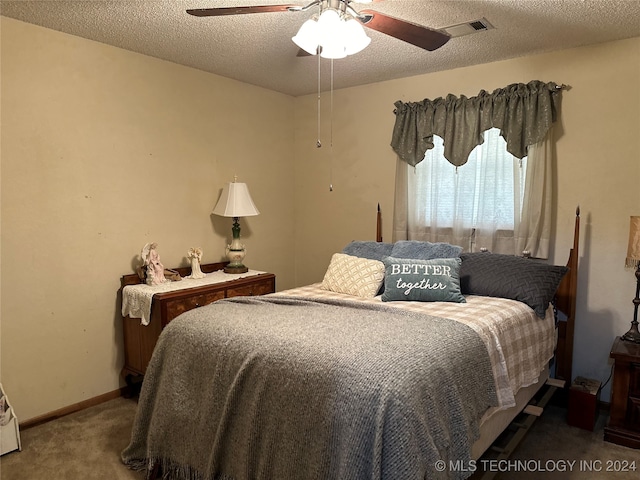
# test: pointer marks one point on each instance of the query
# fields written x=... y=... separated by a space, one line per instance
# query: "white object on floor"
x=9 y=431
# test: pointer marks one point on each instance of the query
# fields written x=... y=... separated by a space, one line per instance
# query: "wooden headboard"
x=565 y=303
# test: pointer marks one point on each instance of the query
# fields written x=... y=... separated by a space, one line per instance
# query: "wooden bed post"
x=379 y=225
x=566 y=303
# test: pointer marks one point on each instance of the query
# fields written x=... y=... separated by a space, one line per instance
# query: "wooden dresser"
x=140 y=340
x=624 y=421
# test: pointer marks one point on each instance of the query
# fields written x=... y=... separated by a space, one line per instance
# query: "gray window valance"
x=523 y=113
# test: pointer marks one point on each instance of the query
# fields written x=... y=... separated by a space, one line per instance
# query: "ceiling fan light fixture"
x=356 y=39
x=333 y=50
x=334 y=34
x=329 y=26
x=308 y=36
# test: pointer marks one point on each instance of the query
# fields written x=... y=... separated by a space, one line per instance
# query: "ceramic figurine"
x=155 y=269
x=195 y=255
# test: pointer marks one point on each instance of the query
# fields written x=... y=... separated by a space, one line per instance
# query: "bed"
x=393 y=363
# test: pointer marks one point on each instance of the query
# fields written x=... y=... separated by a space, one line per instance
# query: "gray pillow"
x=526 y=280
x=424 y=250
x=435 y=280
x=370 y=250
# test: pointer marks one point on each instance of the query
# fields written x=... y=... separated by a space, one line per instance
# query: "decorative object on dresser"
x=633 y=260
x=153 y=267
x=143 y=321
x=195 y=256
x=624 y=420
x=235 y=202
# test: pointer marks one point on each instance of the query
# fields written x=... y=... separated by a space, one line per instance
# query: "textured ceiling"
x=257 y=48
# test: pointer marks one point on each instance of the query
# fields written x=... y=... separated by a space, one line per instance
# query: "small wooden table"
x=623 y=427
x=140 y=340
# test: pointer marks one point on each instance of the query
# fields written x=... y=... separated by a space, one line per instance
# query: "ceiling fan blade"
x=412 y=33
x=215 y=12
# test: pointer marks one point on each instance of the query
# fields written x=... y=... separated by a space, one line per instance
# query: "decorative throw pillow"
x=370 y=250
x=526 y=280
x=424 y=250
x=361 y=277
x=435 y=280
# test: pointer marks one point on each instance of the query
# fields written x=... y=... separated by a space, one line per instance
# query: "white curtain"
x=493 y=201
x=534 y=232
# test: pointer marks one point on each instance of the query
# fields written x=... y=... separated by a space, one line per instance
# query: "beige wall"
x=598 y=166
x=104 y=150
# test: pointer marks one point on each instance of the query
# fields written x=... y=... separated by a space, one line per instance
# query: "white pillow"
x=353 y=275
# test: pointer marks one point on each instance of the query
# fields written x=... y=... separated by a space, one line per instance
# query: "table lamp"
x=235 y=202
x=633 y=260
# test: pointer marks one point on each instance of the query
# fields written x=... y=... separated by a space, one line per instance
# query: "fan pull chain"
x=331 y=135
x=318 y=142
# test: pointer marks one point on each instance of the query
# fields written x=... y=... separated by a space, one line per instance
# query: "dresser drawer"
x=256 y=288
x=180 y=305
x=634 y=381
x=633 y=413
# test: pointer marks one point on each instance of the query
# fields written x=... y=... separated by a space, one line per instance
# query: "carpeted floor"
x=86 y=446
x=554 y=450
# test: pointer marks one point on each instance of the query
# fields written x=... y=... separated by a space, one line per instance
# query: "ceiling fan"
x=344 y=13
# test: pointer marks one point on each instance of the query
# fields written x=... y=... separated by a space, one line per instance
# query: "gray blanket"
x=281 y=388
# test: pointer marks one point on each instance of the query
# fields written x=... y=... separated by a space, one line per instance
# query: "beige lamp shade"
x=633 y=251
x=235 y=201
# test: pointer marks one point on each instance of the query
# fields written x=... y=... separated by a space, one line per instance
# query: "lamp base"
x=633 y=335
x=235 y=254
x=235 y=269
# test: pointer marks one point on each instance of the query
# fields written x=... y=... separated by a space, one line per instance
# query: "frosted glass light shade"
x=333 y=50
x=307 y=37
x=235 y=201
x=329 y=25
x=355 y=38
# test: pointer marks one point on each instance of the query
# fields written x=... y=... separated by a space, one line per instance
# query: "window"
x=505 y=207
x=483 y=195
